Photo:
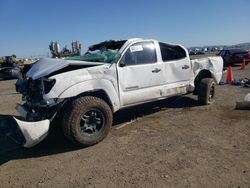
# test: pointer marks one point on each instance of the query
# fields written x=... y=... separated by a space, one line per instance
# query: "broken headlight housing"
x=47 y=84
x=33 y=90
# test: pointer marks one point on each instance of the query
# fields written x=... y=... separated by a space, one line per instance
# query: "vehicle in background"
x=8 y=69
x=234 y=56
x=196 y=53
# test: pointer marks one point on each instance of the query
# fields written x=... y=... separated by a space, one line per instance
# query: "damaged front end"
x=42 y=86
x=36 y=112
x=32 y=92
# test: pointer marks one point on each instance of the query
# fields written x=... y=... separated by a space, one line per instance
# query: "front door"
x=140 y=74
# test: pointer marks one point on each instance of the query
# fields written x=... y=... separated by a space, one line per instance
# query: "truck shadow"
x=56 y=143
x=128 y=114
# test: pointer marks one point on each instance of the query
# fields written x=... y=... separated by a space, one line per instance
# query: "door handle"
x=156 y=70
x=185 y=67
x=132 y=87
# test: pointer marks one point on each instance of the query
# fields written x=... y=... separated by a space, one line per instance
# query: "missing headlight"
x=48 y=84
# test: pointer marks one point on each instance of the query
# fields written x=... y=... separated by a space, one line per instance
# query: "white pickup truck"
x=112 y=75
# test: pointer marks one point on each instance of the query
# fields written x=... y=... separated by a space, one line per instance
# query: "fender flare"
x=94 y=85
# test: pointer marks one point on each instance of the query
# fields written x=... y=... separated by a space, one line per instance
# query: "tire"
x=87 y=121
x=206 y=91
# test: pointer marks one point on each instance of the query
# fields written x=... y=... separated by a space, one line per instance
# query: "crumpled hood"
x=46 y=66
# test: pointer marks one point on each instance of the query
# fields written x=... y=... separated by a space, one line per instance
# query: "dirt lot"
x=173 y=143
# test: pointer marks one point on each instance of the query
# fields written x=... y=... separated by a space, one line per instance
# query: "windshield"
x=105 y=56
x=107 y=52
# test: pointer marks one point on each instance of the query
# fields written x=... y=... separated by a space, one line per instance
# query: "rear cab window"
x=171 y=52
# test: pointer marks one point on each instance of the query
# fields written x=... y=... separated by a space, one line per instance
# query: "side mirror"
x=122 y=63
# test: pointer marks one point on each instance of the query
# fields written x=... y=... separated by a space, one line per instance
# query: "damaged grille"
x=33 y=90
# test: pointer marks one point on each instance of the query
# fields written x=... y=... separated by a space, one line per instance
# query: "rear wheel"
x=206 y=91
x=87 y=121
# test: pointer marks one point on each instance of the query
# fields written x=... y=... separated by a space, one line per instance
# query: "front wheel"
x=206 y=91
x=87 y=121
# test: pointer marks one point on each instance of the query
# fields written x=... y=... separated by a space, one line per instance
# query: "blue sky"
x=27 y=26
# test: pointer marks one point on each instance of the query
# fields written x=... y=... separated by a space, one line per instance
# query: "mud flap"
x=33 y=132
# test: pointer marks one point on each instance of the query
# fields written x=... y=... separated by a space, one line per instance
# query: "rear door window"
x=171 y=52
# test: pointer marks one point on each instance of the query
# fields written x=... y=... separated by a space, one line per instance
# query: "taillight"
x=249 y=54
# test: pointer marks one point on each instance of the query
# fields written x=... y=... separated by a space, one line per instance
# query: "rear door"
x=177 y=64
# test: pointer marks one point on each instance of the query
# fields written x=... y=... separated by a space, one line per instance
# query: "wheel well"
x=100 y=94
x=202 y=74
x=96 y=93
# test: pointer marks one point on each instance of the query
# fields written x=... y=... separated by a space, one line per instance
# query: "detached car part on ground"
x=85 y=91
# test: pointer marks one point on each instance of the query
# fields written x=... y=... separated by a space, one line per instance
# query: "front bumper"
x=33 y=132
x=26 y=133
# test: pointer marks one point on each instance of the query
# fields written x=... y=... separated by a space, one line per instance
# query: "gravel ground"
x=170 y=143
